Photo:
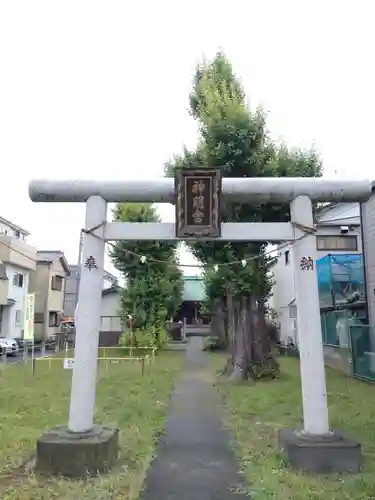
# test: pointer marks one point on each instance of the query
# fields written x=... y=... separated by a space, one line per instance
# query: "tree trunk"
x=252 y=356
x=218 y=324
x=241 y=348
x=264 y=362
x=231 y=331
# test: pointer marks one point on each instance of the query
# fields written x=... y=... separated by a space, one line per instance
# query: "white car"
x=8 y=346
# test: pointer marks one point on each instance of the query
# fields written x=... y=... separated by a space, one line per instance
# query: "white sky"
x=99 y=90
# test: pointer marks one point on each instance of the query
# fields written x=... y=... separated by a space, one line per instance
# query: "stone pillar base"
x=61 y=452
x=331 y=453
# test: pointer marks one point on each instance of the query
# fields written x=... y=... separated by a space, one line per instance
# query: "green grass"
x=30 y=405
x=255 y=413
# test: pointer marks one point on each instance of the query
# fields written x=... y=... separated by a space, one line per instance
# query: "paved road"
x=194 y=458
x=11 y=360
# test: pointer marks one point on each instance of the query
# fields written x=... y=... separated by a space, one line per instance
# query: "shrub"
x=211 y=344
x=148 y=337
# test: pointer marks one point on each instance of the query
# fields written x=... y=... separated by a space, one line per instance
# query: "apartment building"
x=368 y=228
x=48 y=282
x=17 y=260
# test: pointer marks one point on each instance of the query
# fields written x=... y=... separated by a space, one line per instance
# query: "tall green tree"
x=235 y=138
x=153 y=288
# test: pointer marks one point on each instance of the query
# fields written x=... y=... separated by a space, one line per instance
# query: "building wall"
x=46 y=299
x=110 y=312
x=71 y=291
x=10 y=327
x=4 y=285
x=7 y=230
x=69 y=304
x=39 y=280
x=368 y=221
x=110 y=328
x=56 y=297
x=18 y=252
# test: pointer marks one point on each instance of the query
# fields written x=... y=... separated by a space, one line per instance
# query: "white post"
x=82 y=399
x=314 y=394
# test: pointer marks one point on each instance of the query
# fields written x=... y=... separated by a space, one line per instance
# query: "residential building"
x=362 y=335
x=71 y=290
x=338 y=233
x=48 y=283
x=17 y=260
x=368 y=229
x=111 y=326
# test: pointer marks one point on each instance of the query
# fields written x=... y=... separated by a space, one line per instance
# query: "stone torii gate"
x=316 y=447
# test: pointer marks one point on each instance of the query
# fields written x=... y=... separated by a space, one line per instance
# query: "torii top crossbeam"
x=162 y=190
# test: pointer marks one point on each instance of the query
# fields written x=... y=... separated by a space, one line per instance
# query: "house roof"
x=14 y=226
x=51 y=256
x=194 y=289
x=112 y=289
x=107 y=275
x=339 y=213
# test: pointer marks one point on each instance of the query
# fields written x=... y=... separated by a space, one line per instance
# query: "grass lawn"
x=256 y=412
x=30 y=405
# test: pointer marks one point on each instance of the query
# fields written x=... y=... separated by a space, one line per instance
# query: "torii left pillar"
x=83 y=448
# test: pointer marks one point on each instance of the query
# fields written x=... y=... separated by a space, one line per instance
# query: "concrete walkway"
x=194 y=457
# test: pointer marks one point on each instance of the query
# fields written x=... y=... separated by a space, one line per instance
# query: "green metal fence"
x=340 y=277
x=340 y=329
x=362 y=345
x=335 y=328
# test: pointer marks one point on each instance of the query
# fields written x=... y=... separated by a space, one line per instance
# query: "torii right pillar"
x=316 y=448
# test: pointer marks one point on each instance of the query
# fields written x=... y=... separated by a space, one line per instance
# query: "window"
x=17 y=233
x=18 y=280
x=18 y=318
x=57 y=283
x=54 y=318
x=38 y=318
x=286 y=257
x=111 y=324
x=337 y=243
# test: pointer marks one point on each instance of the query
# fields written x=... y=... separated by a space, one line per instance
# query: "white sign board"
x=28 y=326
x=68 y=364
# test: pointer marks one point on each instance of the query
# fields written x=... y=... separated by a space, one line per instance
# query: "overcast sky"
x=99 y=90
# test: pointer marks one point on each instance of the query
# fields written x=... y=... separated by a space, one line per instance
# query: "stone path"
x=194 y=457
